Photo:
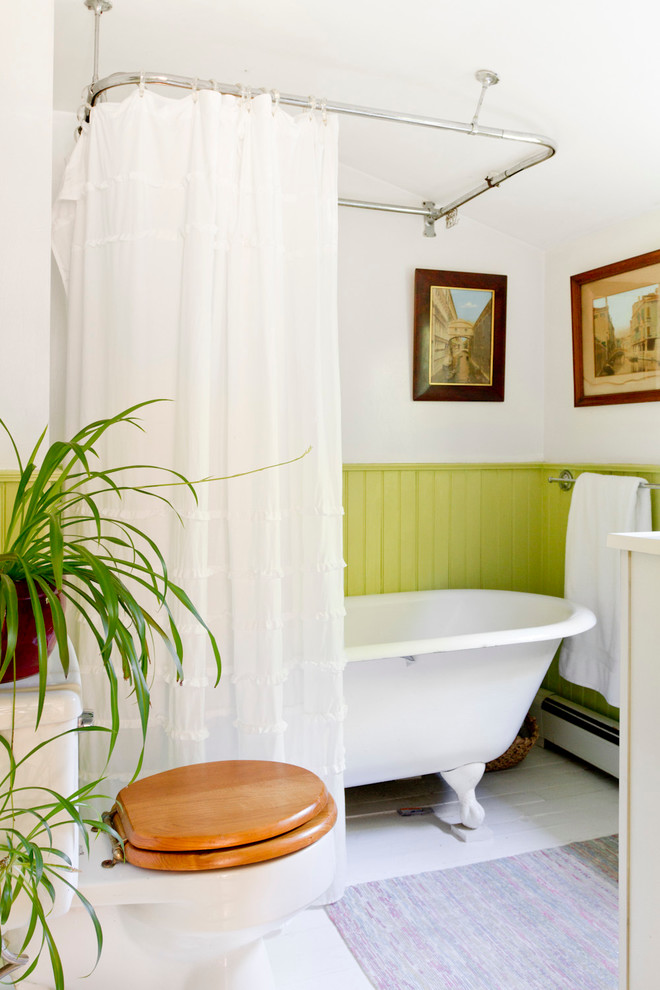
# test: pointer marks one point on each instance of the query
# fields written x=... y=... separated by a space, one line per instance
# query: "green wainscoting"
x=8 y=488
x=408 y=527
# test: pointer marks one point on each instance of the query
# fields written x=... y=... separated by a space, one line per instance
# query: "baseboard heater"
x=592 y=737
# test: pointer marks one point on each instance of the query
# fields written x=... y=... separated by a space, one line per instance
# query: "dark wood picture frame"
x=459 y=336
x=615 y=316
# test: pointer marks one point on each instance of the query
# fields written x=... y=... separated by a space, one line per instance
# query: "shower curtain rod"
x=429 y=210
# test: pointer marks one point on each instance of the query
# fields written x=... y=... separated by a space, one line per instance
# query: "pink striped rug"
x=540 y=921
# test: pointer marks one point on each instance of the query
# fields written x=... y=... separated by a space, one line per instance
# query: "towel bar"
x=566 y=479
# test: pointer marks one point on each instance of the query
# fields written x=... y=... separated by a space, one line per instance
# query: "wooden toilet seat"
x=217 y=815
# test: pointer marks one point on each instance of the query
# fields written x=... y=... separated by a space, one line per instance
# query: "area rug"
x=544 y=920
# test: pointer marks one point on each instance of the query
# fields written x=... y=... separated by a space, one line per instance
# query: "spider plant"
x=65 y=548
x=32 y=865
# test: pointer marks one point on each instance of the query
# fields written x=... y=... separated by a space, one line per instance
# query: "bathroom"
x=436 y=494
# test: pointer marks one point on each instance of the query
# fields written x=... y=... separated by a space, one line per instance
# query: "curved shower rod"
x=428 y=210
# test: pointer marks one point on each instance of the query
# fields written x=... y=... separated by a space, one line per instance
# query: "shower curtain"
x=197 y=241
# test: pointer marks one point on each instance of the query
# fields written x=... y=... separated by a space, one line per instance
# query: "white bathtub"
x=440 y=681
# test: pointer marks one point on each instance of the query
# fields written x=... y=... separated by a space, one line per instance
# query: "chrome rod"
x=487 y=78
x=187 y=82
x=420 y=211
x=97 y=7
x=566 y=479
x=430 y=212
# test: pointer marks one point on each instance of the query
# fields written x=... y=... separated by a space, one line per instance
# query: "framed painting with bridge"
x=616 y=332
x=460 y=324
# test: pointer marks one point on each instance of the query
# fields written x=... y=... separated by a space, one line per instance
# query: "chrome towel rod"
x=566 y=479
x=430 y=211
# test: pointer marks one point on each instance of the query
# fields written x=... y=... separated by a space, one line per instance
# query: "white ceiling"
x=582 y=72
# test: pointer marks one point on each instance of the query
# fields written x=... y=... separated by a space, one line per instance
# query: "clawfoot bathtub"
x=440 y=681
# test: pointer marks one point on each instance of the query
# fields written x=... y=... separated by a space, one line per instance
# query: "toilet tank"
x=55 y=765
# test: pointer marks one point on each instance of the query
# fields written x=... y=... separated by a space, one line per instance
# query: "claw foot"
x=463 y=781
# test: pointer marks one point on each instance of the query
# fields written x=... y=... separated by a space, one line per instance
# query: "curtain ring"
x=141 y=84
x=311 y=106
x=246 y=96
x=214 y=85
x=81 y=113
x=324 y=111
x=275 y=97
x=195 y=90
x=82 y=119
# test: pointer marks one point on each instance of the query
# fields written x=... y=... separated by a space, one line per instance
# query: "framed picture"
x=616 y=332
x=460 y=324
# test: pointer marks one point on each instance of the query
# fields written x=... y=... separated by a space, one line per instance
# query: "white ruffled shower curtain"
x=197 y=240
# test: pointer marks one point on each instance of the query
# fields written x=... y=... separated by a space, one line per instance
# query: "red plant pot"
x=26 y=658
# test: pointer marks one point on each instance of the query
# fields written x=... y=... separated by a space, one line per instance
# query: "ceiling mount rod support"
x=487 y=78
x=430 y=217
x=433 y=213
x=97 y=7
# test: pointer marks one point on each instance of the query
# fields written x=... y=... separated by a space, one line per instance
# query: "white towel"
x=601 y=504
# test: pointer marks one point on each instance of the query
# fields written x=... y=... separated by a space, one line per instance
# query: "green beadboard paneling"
x=526 y=548
x=441 y=544
x=354 y=530
x=417 y=526
x=470 y=513
x=373 y=495
x=409 y=526
x=426 y=549
x=8 y=489
x=391 y=531
x=461 y=558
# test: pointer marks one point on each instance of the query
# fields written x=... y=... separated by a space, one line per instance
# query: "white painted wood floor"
x=548 y=800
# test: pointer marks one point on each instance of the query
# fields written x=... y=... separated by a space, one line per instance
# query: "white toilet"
x=218 y=856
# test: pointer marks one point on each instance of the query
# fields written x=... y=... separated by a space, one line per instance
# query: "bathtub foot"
x=463 y=780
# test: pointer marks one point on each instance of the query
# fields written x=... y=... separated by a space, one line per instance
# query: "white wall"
x=625 y=434
x=26 y=96
x=64 y=131
x=378 y=254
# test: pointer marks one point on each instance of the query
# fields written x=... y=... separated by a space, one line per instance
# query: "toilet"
x=213 y=858
x=219 y=856
x=219 y=815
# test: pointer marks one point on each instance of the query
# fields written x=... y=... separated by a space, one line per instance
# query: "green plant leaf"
x=8 y=619
x=59 y=624
x=56 y=548
x=185 y=600
x=53 y=952
x=98 y=931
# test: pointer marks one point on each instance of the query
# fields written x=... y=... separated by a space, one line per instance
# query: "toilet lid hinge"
x=116 y=839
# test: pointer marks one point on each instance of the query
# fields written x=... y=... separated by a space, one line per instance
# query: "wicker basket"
x=519 y=748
